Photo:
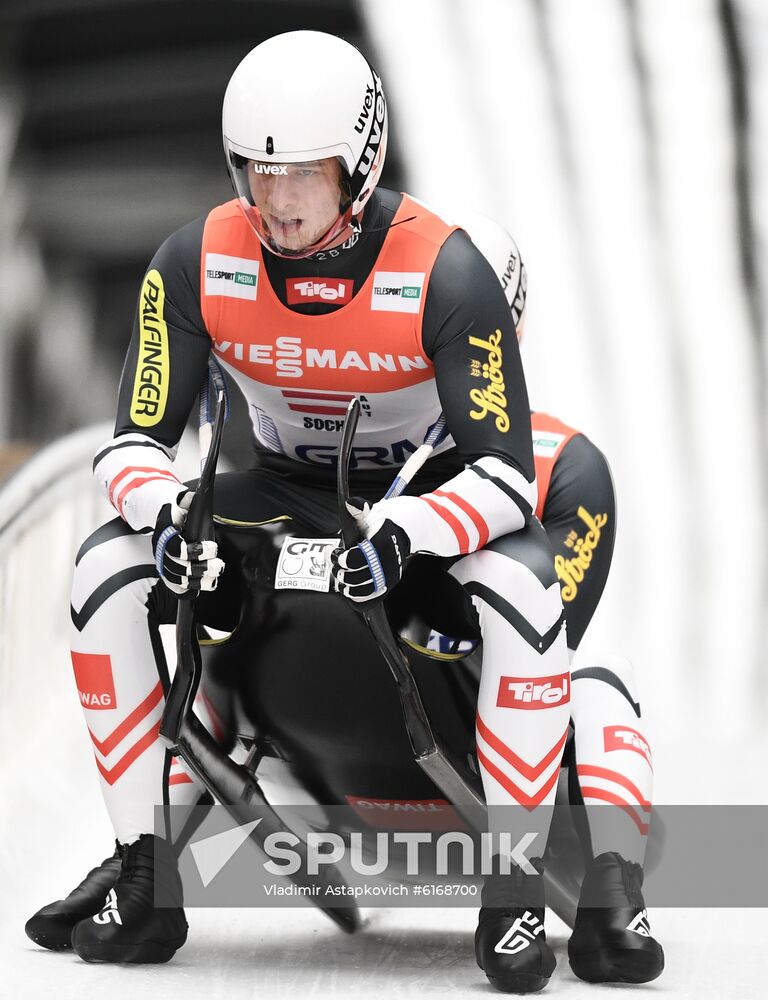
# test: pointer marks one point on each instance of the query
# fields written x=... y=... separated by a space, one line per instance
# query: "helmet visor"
x=295 y=208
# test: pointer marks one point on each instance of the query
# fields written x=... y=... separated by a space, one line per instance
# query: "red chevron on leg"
x=530 y=772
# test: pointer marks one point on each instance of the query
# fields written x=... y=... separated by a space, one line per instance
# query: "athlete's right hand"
x=185 y=568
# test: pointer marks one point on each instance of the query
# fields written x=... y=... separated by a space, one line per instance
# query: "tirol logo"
x=235 y=277
x=95 y=683
x=626 y=738
x=491 y=398
x=519 y=936
x=335 y=291
x=571 y=572
x=150 y=384
x=373 y=111
x=397 y=291
x=534 y=692
x=270 y=168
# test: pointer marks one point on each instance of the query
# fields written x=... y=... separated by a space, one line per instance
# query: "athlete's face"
x=299 y=202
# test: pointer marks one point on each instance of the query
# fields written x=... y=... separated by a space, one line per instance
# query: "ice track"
x=55 y=828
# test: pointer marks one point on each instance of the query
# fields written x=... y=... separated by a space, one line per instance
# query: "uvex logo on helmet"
x=270 y=168
x=372 y=115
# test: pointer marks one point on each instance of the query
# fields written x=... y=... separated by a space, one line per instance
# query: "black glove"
x=185 y=568
x=371 y=569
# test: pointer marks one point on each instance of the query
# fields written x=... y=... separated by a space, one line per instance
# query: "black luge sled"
x=311 y=678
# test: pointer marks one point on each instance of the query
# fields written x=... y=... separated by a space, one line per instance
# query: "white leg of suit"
x=122 y=677
x=523 y=704
x=613 y=759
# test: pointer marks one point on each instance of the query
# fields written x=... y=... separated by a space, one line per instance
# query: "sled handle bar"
x=428 y=754
x=418 y=458
x=231 y=784
x=199 y=525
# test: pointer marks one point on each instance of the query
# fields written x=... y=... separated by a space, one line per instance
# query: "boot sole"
x=145 y=953
x=54 y=936
x=522 y=982
x=616 y=966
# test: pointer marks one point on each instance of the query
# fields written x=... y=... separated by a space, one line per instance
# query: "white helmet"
x=311 y=99
x=500 y=250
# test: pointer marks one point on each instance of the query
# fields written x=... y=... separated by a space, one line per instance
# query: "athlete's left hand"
x=371 y=569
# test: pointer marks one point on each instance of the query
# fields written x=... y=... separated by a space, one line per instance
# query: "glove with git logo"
x=368 y=571
x=185 y=567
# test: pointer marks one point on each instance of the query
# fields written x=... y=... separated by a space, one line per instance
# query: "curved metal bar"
x=230 y=783
x=428 y=754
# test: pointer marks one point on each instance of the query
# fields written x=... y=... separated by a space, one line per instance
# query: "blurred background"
x=622 y=142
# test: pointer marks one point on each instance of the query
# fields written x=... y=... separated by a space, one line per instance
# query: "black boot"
x=611 y=940
x=51 y=927
x=510 y=943
x=142 y=919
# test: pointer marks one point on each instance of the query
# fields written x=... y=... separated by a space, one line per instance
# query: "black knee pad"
x=530 y=547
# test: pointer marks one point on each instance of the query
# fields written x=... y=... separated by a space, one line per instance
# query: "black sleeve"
x=469 y=334
x=157 y=393
x=580 y=520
